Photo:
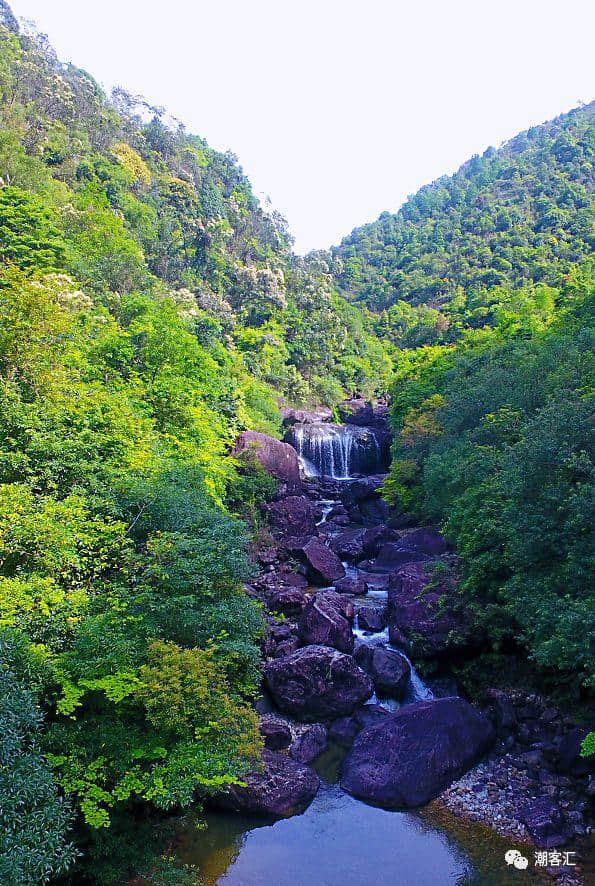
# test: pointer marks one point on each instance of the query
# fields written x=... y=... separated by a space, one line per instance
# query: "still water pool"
x=340 y=841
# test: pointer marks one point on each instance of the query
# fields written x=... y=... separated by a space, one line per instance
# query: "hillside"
x=516 y=215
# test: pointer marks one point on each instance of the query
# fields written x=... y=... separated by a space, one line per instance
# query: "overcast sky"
x=337 y=109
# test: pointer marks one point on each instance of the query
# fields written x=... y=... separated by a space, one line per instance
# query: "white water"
x=337 y=451
x=417 y=689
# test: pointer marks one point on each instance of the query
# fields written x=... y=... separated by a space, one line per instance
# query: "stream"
x=339 y=840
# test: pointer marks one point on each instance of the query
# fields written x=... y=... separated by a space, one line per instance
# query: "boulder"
x=344 y=730
x=498 y=706
x=424 y=617
x=317 y=683
x=310 y=744
x=545 y=822
x=389 y=670
x=351 y=585
x=279 y=459
x=393 y=555
x=359 y=412
x=325 y=622
x=286 y=647
x=293 y=515
x=426 y=539
x=371 y=619
x=284 y=787
x=412 y=755
x=289 y=601
x=355 y=544
x=324 y=567
x=275 y=732
x=305 y=416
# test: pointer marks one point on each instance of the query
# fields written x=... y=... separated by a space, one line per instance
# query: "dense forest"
x=150 y=310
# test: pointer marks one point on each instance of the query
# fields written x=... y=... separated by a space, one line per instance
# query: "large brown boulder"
x=414 y=754
x=284 y=787
x=279 y=459
x=324 y=567
x=424 y=614
x=317 y=683
x=325 y=622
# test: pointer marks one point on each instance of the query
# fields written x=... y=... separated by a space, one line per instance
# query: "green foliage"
x=502 y=455
x=521 y=214
x=34 y=820
x=588 y=745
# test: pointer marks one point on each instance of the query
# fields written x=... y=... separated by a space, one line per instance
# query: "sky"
x=337 y=110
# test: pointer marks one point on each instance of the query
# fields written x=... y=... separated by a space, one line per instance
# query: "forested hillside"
x=484 y=280
x=520 y=214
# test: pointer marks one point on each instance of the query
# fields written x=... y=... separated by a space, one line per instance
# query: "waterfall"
x=339 y=451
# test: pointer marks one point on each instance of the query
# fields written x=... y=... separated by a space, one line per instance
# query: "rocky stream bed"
x=355 y=595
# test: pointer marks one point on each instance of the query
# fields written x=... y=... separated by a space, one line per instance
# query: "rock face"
x=279 y=459
x=324 y=567
x=344 y=729
x=360 y=412
x=324 y=622
x=293 y=515
x=283 y=788
x=393 y=555
x=305 y=416
x=414 y=612
x=310 y=744
x=412 y=755
x=317 y=683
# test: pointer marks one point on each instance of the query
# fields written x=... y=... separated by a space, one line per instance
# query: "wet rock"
x=325 y=622
x=423 y=615
x=371 y=619
x=350 y=585
x=390 y=671
x=317 y=683
x=294 y=515
x=545 y=822
x=284 y=788
x=275 y=732
x=443 y=687
x=310 y=744
x=324 y=567
x=409 y=757
x=279 y=459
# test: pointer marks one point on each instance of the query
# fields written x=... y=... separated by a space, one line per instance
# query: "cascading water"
x=338 y=451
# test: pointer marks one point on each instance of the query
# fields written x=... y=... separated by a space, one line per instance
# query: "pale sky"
x=338 y=110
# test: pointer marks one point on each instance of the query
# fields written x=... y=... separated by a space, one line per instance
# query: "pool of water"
x=337 y=841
